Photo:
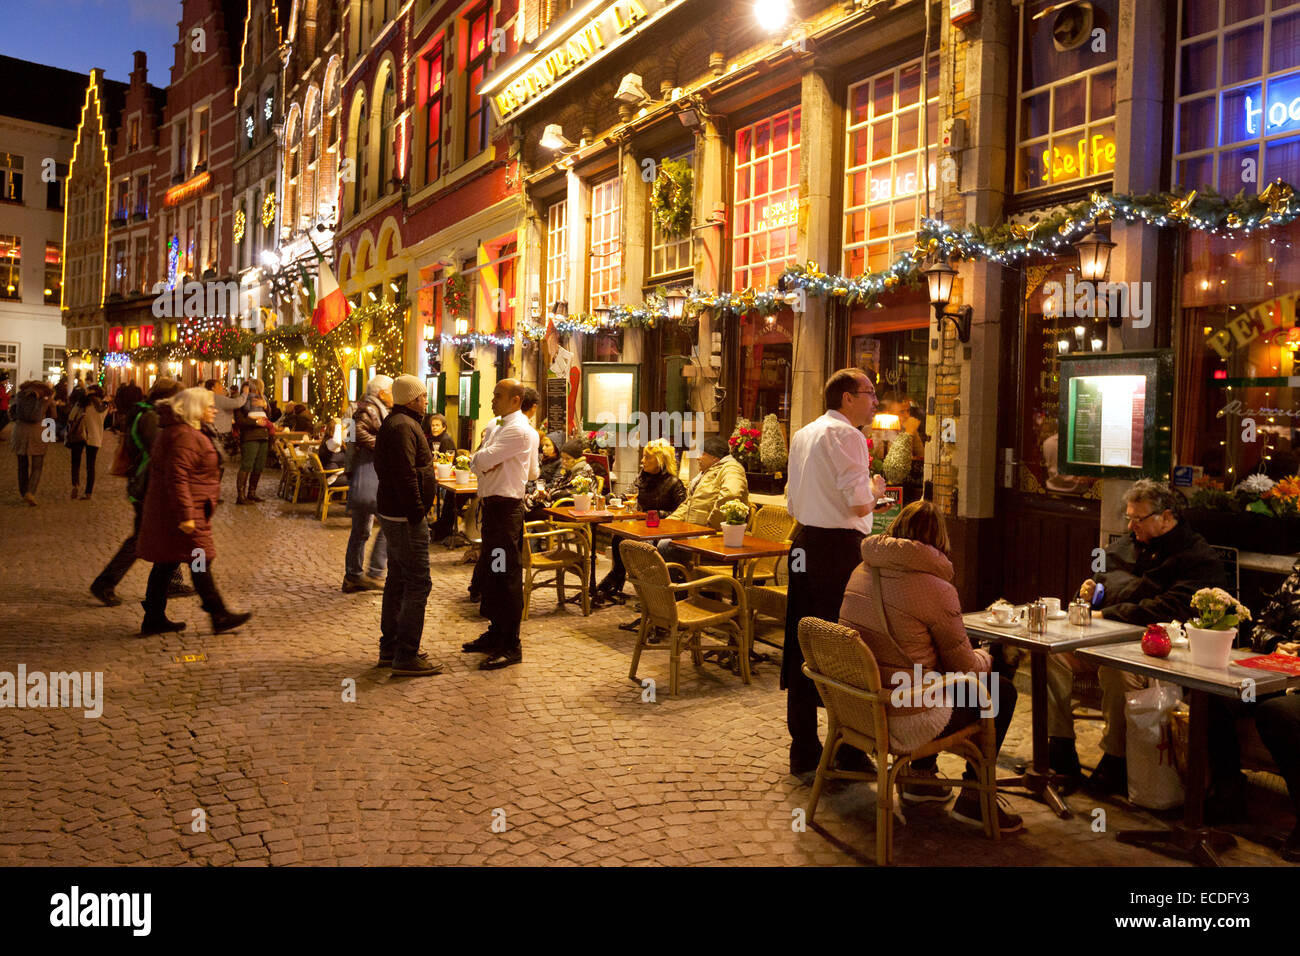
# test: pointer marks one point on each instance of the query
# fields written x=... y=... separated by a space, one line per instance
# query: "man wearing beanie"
x=505 y=464
x=363 y=483
x=404 y=467
x=720 y=479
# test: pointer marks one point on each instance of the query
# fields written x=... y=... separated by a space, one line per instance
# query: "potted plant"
x=1213 y=629
x=581 y=493
x=1258 y=514
x=442 y=464
x=462 y=469
x=735 y=516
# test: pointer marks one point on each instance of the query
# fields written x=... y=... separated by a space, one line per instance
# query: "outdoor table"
x=588 y=520
x=469 y=489
x=640 y=531
x=1191 y=839
x=1059 y=638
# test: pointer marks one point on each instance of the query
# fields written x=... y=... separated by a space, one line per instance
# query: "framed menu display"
x=609 y=393
x=1116 y=414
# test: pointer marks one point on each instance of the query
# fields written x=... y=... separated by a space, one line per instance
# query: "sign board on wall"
x=557 y=395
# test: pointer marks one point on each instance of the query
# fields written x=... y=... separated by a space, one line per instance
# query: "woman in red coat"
x=176 y=526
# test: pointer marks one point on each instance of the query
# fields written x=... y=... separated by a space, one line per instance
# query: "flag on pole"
x=331 y=305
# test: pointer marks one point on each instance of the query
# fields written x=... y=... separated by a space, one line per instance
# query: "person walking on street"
x=34 y=431
x=254 y=421
x=224 y=423
x=140 y=428
x=5 y=390
x=363 y=486
x=406 y=479
x=504 y=466
x=86 y=433
x=831 y=493
x=176 y=525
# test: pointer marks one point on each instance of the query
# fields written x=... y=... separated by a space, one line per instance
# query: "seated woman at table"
x=1276 y=716
x=923 y=622
x=331 y=451
x=572 y=466
x=435 y=429
x=657 y=489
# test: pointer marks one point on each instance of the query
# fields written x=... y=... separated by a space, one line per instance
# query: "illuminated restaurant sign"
x=565 y=50
x=1091 y=156
x=1279 y=112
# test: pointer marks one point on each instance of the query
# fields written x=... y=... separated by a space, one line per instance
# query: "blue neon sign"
x=1277 y=113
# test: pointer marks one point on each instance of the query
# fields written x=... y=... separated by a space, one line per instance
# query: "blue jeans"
x=362 y=521
x=406 y=590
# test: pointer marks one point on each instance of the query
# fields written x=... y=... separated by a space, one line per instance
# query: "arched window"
x=254 y=228
x=311 y=159
x=360 y=166
x=388 y=139
x=291 y=202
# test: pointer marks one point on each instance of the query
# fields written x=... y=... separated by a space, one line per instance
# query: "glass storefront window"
x=885 y=174
x=606 y=247
x=669 y=254
x=766 y=200
x=1065 y=121
x=766 y=361
x=557 y=253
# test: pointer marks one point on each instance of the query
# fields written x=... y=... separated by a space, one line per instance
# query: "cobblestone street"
x=259 y=737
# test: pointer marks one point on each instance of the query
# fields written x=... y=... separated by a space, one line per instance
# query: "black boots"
x=251 y=493
x=1062 y=758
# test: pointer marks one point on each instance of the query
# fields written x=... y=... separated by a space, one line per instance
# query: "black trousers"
x=502 y=574
x=821 y=562
x=1277 y=718
x=91 y=451
x=155 y=593
x=121 y=562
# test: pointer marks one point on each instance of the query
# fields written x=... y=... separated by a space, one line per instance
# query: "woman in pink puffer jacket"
x=924 y=619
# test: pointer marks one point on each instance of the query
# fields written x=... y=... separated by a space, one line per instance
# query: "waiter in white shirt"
x=831 y=493
x=505 y=464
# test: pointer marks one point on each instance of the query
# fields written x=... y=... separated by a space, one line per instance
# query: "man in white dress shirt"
x=505 y=464
x=831 y=493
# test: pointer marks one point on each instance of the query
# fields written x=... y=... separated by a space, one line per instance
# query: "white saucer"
x=1058 y=616
x=992 y=623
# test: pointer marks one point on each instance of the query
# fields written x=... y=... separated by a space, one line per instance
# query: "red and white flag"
x=332 y=306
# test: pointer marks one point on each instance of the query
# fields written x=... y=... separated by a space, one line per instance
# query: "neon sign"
x=779 y=214
x=1091 y=156
x=1280 y=111
x=904 y=185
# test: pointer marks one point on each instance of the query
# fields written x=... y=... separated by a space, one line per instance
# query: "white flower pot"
x=1211 y=648
x=444 y=471
x=462 y=477
x=582 y=502
x=733 y=535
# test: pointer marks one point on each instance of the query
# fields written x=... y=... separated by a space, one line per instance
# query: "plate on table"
x=1058 y=616
x=1010 y=625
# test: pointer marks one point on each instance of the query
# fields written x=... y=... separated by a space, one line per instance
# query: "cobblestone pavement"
x=260 y=739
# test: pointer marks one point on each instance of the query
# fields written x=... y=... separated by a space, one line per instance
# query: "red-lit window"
x=476 y=110
x=115 y=340
x=433 y=114
x=767 y=200
x=146 y=335
x=606 y=257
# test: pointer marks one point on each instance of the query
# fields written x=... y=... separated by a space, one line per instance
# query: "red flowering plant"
x=744 y=443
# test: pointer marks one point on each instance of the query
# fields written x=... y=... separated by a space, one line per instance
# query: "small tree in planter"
x=1212 y=630
x=897 y=466
x=772 y=452
x=735 y=516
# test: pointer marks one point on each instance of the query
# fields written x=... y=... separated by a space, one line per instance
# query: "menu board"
x=557 y=394
x=881 y=520
x=1107 y=417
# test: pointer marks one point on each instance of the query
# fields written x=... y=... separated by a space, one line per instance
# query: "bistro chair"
x=296 y=471
x=328 y=492
x=686 y=620
x=568 y=551
x=848 y=679
x=767 y=599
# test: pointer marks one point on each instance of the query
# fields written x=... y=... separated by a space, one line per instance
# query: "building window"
x=268 y=229
x=134 y=139
x=180 y=152
x=433 y=115
x=250 y=128
x=1066 y=121
x=53 y=273
x=11 y=177
x=52 y=359
x=201 y=146
x=54 y=191
x=268 y=110
x=210 y=256
x=122 y=201
x=1238 y=103
x=118 y=277
x=141 y=270
x=476 y=110
x=142 y=196
x=557 y=253
x=388 y=139
x=767 y=200
x=9 y=360
x=360 y=163
x=11 y=268
x=669 y=253
x=606 y=246
x=885 y=164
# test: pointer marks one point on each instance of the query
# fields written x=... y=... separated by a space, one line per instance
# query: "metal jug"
x=1080 y=613
x=1037 y=617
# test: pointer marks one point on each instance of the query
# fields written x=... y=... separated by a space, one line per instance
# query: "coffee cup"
x=1004 y=613
x=1053 y=605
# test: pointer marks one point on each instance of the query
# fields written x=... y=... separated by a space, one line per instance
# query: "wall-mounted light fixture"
x=554 y=138
x=939 y=279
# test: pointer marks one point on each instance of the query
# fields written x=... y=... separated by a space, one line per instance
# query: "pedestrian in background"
x=86 y=434
x=33 y=410
x=404 y=467
x=254 y=420
x=5 y=391
x=176 y=527
x=363 y=486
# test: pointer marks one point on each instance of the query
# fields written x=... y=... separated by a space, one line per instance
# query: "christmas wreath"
x=456 y=297
x=670 y=198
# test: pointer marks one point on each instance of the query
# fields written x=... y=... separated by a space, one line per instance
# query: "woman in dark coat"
x=657 y=489
x=32 y=407
x=176 y=526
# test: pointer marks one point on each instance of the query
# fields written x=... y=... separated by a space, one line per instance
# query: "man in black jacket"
x=1149 y=577
x=407 y=481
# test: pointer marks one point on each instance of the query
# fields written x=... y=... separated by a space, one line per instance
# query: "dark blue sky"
x=80 y=34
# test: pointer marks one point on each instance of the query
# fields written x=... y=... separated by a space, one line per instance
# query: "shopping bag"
x=1153 y=779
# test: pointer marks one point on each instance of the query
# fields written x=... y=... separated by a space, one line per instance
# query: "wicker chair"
x=846 y=675
x=767 y=599
x=685 y=621
x=296 y=472
x=328 y=492
x=569 y=550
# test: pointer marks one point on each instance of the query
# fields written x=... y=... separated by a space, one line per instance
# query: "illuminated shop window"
x=606 y=247
x=767 y=200
x=557 y=252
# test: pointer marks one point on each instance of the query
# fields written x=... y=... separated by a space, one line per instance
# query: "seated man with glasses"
x=1148 y=576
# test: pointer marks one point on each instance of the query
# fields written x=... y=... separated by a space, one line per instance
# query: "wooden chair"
x=848 y=679
x=685 y=621
x=328 y=492
x=296 y=471
x=568 y=551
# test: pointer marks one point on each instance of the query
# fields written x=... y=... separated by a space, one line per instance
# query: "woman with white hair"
x=363 y=488
x=176 y=524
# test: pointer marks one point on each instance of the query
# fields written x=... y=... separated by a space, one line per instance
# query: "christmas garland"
x=670 y=197
x=455 y=297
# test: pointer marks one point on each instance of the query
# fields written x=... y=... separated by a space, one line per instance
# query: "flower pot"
x=582 y=502
x=733 y=535
x=443 y=471
x=462 y=476
x=1210 y=648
